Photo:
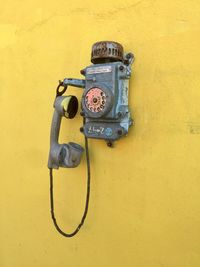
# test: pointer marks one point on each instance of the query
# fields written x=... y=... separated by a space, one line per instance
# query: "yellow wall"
x=145 y=198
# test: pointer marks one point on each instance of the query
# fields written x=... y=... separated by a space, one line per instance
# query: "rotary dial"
x=95 y=100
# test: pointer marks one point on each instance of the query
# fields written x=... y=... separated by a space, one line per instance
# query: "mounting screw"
x=81 y=129
x=82 y=72
x=110 y=144
x=120 y=132
x=121 y=68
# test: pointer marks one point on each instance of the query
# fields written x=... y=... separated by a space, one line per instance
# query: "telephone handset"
x=105 y=111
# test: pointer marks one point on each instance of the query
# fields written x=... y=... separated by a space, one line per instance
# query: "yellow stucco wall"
x=145 y=198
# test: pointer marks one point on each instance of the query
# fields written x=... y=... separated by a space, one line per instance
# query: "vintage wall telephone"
x=104 y=106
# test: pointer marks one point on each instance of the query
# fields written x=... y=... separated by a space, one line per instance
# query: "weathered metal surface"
x=104 y=103
x=107 y=51
x=108 y=118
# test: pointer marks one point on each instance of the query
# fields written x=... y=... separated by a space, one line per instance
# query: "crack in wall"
x=100 y=15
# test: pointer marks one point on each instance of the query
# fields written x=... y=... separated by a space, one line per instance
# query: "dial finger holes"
x=95 y=100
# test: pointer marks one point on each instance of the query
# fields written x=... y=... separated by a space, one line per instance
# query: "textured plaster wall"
x=145 y=193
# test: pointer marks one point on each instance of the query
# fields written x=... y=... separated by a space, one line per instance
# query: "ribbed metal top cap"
x=107 y=51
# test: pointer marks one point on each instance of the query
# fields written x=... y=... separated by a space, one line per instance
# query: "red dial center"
x=95 y=99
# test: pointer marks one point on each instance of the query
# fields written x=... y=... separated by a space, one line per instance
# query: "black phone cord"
x=87 y=197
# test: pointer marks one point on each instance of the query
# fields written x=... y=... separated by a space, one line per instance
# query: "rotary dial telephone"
x=104 y=108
